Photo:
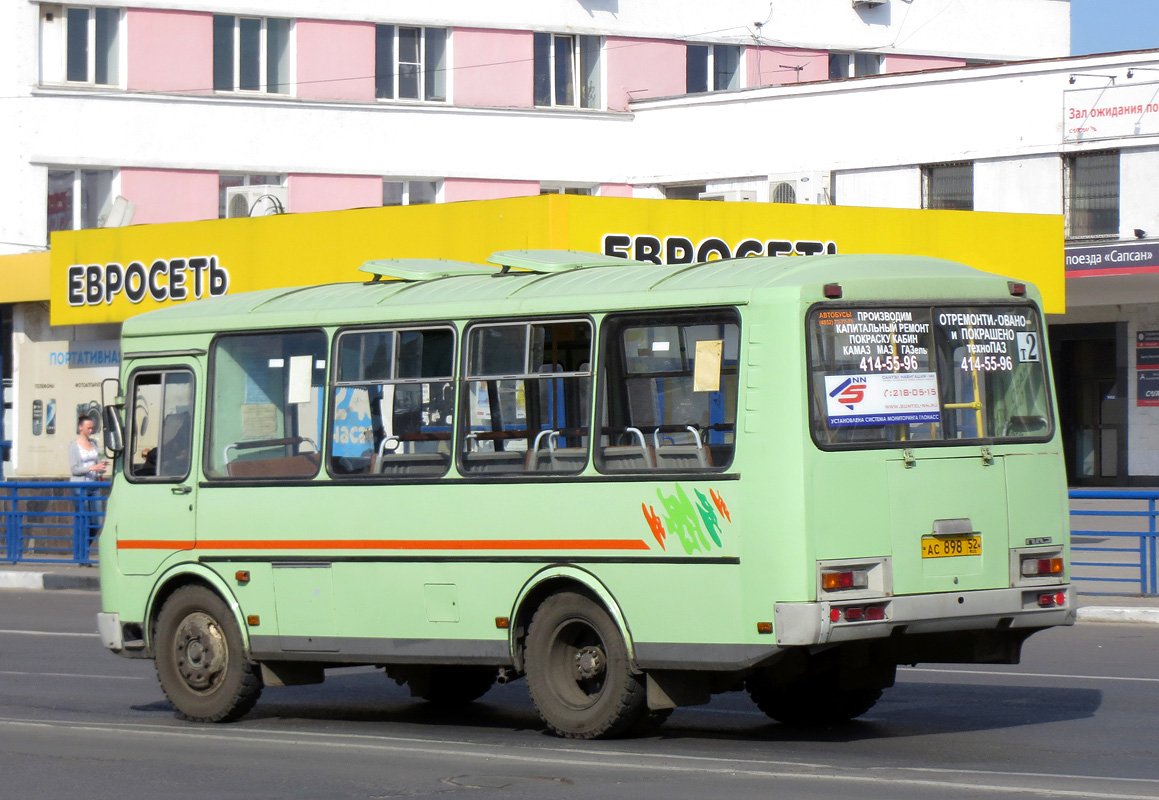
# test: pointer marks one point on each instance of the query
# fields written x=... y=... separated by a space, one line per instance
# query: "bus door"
x=156 y=513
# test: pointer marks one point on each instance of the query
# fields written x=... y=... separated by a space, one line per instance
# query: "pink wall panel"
x=333 y=192
x=457 y=189
x=494 y=68
x=771 y=66
x=914 y=63
x=169 y=51
x=615 y=190
x=639 y=68
x=170 y=195
x=335 y=60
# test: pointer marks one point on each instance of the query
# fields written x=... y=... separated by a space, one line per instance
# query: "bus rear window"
x=912 y=374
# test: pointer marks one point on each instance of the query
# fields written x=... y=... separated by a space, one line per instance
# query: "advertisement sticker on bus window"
x=353 y=434
x=882 y=399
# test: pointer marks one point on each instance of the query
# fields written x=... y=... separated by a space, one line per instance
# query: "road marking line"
x=728 y=767
x=1029 y=674
x=75 y=675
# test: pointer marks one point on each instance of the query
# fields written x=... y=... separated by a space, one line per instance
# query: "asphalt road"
x=1078 y=718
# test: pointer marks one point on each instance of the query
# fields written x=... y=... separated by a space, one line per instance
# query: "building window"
x=567 y=71
x=410 y=63
x=1092 y=194
x=409 y=193
x=853 y=65
x=92 y=45
x=251 y=54
x=79 y=198
x=948 y=186
x=559 y=188
x=720 y=61
x=227 y=181
x=689 y=191
x=80 y=45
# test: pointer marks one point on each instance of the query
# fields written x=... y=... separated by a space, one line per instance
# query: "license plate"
x=944 y=546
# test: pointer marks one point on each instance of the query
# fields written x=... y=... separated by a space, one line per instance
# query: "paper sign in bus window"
x=706 y=372
x=882 y=398
x=298 y=390
x=259 y=421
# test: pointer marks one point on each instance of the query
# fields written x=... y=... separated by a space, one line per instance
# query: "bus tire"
x=578 y=672
x=456 y=686
x=200 y=659
x=807 y=702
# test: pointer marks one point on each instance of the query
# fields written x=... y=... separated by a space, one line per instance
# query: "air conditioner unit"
x=255 y=201
x=731 y=196
x=810 y=188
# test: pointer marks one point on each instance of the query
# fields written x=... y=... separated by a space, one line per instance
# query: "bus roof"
x=558 y=282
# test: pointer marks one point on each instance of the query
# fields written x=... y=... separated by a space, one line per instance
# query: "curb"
x=48 y=580
x=1107 y=614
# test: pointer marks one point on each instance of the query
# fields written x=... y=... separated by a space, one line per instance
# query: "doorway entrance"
x=1090 y=374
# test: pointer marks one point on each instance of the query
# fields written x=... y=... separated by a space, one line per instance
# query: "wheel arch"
x=190 y=575
x=552 y=580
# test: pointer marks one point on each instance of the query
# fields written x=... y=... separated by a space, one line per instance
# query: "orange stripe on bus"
x=387 y=544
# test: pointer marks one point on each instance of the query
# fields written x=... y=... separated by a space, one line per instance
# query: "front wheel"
x=200 y=658
x=578 y=671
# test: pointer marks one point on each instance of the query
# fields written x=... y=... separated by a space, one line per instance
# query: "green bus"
x=634 y=485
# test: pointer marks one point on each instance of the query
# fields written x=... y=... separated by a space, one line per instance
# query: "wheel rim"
x=577 y=664
x=200 y=652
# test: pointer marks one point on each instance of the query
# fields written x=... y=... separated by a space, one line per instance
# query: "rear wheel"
x=578 y=672
x=200 y=658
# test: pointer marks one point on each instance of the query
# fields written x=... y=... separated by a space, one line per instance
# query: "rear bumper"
x=992 y=609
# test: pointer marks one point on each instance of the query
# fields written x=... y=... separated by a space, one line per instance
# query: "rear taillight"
x=871 y=613
x=845 y=579
x=1049 y=600
x=1040 y=567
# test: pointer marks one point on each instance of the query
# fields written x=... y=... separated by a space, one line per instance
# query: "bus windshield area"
x=888 y=374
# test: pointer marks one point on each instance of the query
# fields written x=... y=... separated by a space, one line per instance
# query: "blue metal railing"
x=57 y=521
x=1131 y=563
x=51 y=521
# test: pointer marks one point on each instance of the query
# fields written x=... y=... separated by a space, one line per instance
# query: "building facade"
x=155 y=114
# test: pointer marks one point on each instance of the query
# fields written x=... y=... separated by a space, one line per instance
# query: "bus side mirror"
x=114 y=440
x=113 y=431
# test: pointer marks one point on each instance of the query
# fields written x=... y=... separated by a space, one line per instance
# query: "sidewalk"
x=73 y=576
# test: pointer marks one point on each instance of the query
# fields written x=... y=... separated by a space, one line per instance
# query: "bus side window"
x=393 y=402
x=528 y=397
x=266 y=401
x=669 y=386
x=161 y=436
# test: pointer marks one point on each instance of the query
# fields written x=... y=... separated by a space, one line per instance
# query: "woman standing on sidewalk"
x=85 y=464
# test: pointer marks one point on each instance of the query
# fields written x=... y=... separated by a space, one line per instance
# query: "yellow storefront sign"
x=108 y=275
